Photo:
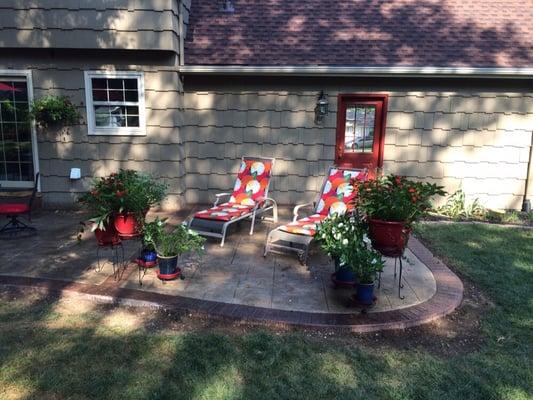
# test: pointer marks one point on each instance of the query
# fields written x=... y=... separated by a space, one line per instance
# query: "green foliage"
x=54 y=110
x=151 y=231
x=344 y=236
x=334 y=230
x=396 y=198
x=458 y=208
x=180 y=240
x=127 y=191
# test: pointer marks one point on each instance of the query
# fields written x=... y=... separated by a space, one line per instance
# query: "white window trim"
x=25 y=73
x=117 y=131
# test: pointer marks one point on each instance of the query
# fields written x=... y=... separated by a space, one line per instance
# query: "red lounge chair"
x=248 y=200
x=335 y=195
x=14 y=211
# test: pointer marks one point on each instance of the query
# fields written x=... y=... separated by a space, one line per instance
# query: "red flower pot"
x=107 y=237
x=126 y=224
x=388 y=237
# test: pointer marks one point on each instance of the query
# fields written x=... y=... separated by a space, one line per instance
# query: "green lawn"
x=57 y=349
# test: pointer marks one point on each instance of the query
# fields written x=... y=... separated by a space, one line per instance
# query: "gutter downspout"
x=181 y=33
x=526 y=204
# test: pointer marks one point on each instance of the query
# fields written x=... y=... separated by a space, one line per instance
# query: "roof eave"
x=443 y=72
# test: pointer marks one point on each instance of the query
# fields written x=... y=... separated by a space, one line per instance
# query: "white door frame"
x=26 y=73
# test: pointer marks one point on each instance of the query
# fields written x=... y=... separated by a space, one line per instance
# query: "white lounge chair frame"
x=279 y=241
x=217 y=228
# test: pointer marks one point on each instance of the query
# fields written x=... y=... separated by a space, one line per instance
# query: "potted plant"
x=333 y=234
x=392 y=204
x=54 y=111
x=151 y=230
x=135 y=193
x=366 y=264
x=170 y=245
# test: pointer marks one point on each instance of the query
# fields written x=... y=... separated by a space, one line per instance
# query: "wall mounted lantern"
x=321 y=109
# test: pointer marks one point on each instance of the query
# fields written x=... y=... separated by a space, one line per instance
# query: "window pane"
x=13 y=171
x=133 y=121
x=132 y=95
x=21 y=91
x=115 y=84
x=132 y=110
x=26 y=170
x=25 y=151
x=6 y=90
x=99 y=95
x=130 y=84
x=116 y=95
x=118 y=116
x=8 y=111
x=99 y=83
x=11 y=151
x=24 y=132
x=359 y=134
x=9 y=131
x=101 y=114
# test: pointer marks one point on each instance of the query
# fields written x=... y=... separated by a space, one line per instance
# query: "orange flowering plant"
x=396 y=198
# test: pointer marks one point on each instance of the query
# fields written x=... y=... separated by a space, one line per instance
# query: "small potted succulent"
x=366 y=264
x=392 y=204
x=170 y=245
x=333 y=233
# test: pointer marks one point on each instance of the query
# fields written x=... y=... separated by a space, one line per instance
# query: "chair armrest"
x=218 y=196
x=262 y=200
x=298 y=207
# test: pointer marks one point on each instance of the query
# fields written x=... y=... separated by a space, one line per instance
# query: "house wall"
x=467 y=134
x=94 y=24
x=159 y=152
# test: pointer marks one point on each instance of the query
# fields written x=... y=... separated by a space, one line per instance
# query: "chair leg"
x=253 y=223
x=224 y=228
x=275 y=213
x=267 y=245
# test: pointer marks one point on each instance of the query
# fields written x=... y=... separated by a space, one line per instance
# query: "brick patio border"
x=447 y=298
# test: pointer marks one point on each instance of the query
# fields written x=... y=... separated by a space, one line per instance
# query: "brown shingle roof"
x=474 y=33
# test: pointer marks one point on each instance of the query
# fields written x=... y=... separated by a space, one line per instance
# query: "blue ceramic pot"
x=149 y=256
x=365 y=293
x=168 y=265
x=343 y=273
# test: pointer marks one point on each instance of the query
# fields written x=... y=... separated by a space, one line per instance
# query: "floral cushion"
x=304 y=226
x=252 y=182
x=224 y=212
x=338 y=191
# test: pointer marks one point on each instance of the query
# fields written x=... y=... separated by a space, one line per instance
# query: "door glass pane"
x=16 y=153
x=359 y=130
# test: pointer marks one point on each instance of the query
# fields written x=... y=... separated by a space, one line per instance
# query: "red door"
x=361 y=131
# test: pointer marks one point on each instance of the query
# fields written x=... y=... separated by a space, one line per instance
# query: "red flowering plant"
x=127 y=191
x=396 y=198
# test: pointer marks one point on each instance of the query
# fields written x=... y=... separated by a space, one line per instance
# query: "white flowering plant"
x=345 y=237
x=334 y=231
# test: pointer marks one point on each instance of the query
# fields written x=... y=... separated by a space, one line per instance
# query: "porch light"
x=321 y=109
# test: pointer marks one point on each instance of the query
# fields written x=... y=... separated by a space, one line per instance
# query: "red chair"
x=13 y=211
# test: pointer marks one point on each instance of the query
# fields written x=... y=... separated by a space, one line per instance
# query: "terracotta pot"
x=126 y=224
x=388 y=237
x=107 y=237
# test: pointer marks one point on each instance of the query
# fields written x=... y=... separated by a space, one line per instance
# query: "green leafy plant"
x=127 y=191
x=151 y=231
x=457 y=207
x=180 y=240
x=54 y=110
x=396 y=198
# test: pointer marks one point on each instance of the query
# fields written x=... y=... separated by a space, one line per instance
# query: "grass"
x=54 y=348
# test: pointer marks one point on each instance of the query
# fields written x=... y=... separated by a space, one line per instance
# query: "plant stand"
x=117 y=257
x=400 y=284
x=143 y=266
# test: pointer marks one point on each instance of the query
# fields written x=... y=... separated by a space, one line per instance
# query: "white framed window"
x=115 y=103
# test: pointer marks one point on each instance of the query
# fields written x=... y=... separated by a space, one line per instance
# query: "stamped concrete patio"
x=236 y=274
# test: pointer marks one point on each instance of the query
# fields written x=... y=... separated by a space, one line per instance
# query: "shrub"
x=457 y=208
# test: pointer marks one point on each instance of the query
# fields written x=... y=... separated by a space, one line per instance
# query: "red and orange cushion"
x=338 y=191
x=14 y=209
x=304 y=226
x=224 y=212
x=336 y=195
x=252 y=182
